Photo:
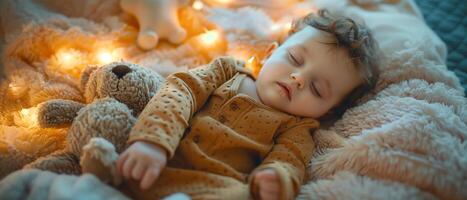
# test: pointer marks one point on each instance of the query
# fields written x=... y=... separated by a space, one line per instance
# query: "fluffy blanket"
x=36 y=184
x=404 y=140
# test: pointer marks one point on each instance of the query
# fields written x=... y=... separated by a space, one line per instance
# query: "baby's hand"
x=143 y=162
x=268 y=184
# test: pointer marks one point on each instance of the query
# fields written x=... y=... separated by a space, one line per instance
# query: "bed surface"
x=448 y=19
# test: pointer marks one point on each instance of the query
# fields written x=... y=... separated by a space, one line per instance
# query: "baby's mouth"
x=286 y=89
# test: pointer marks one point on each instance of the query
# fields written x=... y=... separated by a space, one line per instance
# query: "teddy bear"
x=115 y=94
x=157 y=19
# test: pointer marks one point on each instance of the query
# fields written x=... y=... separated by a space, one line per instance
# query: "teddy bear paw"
x=99 y=158
x=148 y=39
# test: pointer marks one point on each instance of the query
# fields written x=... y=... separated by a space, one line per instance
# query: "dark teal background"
x=447 y=19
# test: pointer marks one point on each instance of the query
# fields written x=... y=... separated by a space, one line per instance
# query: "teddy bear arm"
x=99 y=158
x=58 y=112
x=62 y=162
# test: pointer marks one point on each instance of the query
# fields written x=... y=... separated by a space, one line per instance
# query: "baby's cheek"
x=309 y=107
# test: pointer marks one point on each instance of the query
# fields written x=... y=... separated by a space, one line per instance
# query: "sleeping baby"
x=217 y=133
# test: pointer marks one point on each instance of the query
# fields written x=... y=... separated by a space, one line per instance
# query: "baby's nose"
x=298 y=80
x=121 y=70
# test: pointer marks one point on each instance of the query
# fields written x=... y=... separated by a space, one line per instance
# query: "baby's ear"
x=271 y=48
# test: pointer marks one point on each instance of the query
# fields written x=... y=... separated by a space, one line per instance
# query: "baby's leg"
x=196 y=184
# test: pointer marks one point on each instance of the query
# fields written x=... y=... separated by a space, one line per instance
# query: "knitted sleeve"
x=166 y=116
x=291 y=152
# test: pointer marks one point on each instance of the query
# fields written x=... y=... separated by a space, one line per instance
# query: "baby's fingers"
x=149 y=177
x=138 y=171
x=121 y=160
x=128 y=167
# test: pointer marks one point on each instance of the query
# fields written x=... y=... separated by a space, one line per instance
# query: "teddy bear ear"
x=86 y=74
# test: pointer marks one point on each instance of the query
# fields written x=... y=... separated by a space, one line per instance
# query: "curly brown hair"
x=360 y=44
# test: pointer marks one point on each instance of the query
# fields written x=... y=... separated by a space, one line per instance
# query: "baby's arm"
x=285 y=165
x=163 y=121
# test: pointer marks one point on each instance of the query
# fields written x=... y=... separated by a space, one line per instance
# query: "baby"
x=216 y=133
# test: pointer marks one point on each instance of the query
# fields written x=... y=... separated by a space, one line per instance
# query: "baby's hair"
x=361 y=46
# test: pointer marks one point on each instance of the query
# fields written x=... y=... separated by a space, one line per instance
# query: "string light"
x=210 y=38
x=105 y=56
x=198 y=5
x=280 y=30
x=224 y=2
x=275 y=27
x=68 y=58
x=27 y=117
x=17 y=90
x=250 y=62
x=287 y=26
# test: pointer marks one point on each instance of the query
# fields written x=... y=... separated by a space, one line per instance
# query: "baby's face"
x=305 y=76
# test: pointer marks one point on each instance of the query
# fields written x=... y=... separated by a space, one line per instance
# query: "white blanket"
x=405 y=140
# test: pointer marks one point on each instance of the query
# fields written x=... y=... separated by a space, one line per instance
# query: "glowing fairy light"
x=287 y=26
x=210 y=44
x=281 y=27
x=68 y=58
x=17 y=90
x=280 y=30
x=275 y=27
x=105 y=56
x=27 y=117
x=224 y=2
x=252 y=64
x=210 y=38
x=251 y=60
x=198 y=5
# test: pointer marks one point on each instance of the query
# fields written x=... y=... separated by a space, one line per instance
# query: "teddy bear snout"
x=121 y=70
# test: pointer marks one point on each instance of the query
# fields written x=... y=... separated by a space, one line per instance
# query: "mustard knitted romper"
x=216 y=137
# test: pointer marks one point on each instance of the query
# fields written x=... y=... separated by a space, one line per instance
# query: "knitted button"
x=222 y=119
x=234 y=106
x=196 y=139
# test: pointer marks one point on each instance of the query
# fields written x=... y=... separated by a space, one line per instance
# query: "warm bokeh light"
x=281 y=27
x=275 y=27
x=252 y=64
x=68 y=58
x=27 y=117
x=210 y=38
x=287 y=26
x=210 y=44
x=105 y=56
x=198 y=5
x=280 y=30
x=224 y=2
x=16 y=90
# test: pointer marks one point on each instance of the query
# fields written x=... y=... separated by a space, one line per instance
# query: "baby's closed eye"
x=295 y=58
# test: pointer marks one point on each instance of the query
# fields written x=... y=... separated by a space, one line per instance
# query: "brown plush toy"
x=116 y=93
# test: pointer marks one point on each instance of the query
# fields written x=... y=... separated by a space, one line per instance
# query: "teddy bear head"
x=128 y=83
